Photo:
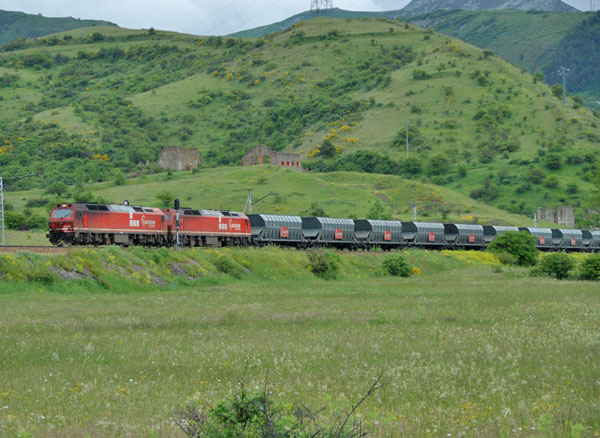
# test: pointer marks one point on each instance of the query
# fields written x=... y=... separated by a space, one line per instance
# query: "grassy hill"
x=103 y=100
x=527 y=39
x=18 y=25
x=538 y=40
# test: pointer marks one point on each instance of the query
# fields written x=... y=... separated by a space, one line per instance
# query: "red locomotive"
x=97 y=224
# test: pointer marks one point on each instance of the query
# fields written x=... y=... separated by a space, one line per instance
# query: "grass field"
x=465 y=350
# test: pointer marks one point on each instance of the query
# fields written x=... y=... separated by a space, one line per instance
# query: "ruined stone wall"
x=262 y=154
x=178 y=158
x=565 y=216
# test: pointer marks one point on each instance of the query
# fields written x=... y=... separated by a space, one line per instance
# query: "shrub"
x=589 y=269
x=557 y=265
x=397 y=266
x=324 y=265
x=506 y=258
x=258 y=414
x=227 y=265
x=520 y=245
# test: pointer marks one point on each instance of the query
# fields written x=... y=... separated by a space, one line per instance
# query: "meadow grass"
x=464 y=351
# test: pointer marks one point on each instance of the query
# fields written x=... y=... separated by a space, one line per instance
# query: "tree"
x=520 y=245
x=437 y=165
x=378 y=211
x=166 y=198
x=327 y=149
x=557 y=265
x=56 y=188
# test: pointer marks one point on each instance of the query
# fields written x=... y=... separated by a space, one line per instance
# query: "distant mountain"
x=14 y=25
x=417 y=7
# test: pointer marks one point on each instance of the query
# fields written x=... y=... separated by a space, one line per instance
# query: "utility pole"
x=535 y=219
x=563 y=71
x=249 y=202
x=3 y=241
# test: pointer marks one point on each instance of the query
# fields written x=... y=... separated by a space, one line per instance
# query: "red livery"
x=96 y=224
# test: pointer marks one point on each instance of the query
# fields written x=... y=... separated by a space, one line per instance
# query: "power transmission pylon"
x=319 y=6
x=563 y=71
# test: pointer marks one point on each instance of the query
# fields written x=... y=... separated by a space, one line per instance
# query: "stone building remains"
x=178 y=158
x=262 y=154
x=565 y=216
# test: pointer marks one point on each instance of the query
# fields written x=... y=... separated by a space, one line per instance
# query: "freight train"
x=97 y=224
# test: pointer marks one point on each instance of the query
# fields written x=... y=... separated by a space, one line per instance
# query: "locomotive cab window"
x=80 y=215
x=61 y=213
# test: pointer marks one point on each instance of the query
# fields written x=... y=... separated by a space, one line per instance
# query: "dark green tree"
x=520 y=245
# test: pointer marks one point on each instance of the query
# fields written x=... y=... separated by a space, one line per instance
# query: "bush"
x=397 y=266
x=324 y=265
x=258 y=414
x=590 y=268
x=520 y=245
x=557 y=265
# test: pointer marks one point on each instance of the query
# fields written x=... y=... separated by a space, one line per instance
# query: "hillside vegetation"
x=18 y=25
x=95 y=103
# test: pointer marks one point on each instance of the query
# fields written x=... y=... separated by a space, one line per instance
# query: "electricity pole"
x=563 y=71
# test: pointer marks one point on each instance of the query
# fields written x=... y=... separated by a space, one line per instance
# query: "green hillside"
x=18 y=25
x=527 y=39
x=104 y=100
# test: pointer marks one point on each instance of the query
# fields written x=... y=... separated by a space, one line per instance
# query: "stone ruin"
x=262 y=154
x=178 y=158
x=565 y=216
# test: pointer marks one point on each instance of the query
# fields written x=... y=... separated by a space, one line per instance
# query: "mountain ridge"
x=15 y=25
x=417 y=7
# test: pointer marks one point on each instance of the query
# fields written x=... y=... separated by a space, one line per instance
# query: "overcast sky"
x=201 y=17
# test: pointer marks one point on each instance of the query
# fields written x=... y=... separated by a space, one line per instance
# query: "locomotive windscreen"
x=61 y=213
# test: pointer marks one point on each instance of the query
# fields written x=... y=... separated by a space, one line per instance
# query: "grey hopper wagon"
x=568 y=240
x=464 y=235
x=543 y=237
x=327 y=231
x=384 y=234
x=490 y=232
x=276 y=229
x=591 y=240
x=423 y=234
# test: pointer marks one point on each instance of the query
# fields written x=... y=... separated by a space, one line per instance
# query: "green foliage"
x=589 y=268
x=226 y=264
x=557 y=90
x=437 y=165
x=519 y=245
x=360 y=161
x=258 y=414
x=397 y=266
x=323 y=264
x=553 y=161
x=314 y=210
x=165 y=198
x=25 y=220
x=557 y=265
x=379 y=211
